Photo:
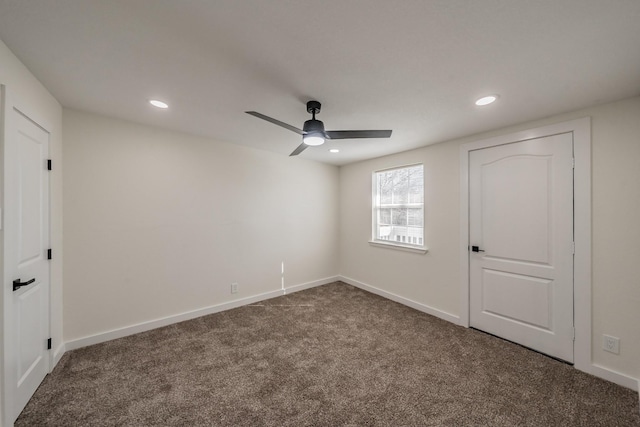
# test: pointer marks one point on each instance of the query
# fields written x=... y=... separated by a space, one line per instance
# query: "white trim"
x=402 y=300
x=464 y=236
x=614 y=376
x=582 y=242
x=410 y=165
x=593 y=369
x=309 y=285
x=169 y=320
x=6 y=319
x=400 y=247
x=581 y=129
x=165 y=321
x=598 y=371
x=57 y=355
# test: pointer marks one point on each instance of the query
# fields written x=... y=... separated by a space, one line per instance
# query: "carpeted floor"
x=328 y=356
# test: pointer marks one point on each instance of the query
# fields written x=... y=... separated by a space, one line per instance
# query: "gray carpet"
x=329 y=356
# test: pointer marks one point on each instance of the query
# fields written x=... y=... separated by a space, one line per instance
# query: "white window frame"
x=375 y=206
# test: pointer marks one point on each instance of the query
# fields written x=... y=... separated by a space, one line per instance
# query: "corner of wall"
x=57 y=355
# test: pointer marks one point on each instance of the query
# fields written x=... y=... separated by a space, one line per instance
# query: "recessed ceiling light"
x=334 y=150
x=486 y=100
x=158 y=104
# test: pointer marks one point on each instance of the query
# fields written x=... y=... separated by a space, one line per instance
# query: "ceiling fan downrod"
x=313 y=129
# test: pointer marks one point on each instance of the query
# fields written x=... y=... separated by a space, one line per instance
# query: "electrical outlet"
x=611 y=344
x=234 y=288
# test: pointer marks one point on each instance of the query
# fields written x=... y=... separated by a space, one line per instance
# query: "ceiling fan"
x=313 y=132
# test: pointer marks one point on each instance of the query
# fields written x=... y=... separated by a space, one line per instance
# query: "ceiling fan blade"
x=349 y=134
x=276 y=122
x=299 y=150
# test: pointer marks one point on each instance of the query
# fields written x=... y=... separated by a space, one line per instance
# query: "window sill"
x=399 y=246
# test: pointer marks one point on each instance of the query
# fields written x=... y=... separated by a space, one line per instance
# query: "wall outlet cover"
x=611 y=344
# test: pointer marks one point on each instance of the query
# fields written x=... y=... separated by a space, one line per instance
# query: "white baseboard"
x=165 y=321
x=402 y=300
x=57 y=355
x=169 y=320
x=593 y=369
x=614 y=377
x=309 y=285
x=596 y=370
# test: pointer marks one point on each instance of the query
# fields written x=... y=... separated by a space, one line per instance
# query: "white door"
x=521 y=243
x=26 y=206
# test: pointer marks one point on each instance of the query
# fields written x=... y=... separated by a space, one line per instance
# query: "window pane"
x=384 y=216
x=399 y=216
x=416 y=180
x=385 y=187
x=415 y=217
x=386 y=195
x=401 y=186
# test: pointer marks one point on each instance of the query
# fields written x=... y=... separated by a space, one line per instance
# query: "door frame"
x=7 y=105
x=581 y=130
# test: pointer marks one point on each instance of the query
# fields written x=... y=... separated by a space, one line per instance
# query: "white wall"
x=35 y=101
x=159 y=223
x=433 y=279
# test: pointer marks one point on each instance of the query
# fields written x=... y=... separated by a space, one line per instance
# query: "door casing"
x=581 y=130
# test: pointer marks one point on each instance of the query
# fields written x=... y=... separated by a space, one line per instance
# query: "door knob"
x=476 y=249
x=17 y=284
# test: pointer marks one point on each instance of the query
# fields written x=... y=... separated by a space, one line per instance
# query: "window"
x=398 y=207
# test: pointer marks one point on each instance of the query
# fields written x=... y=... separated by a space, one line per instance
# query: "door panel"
x=517 y=196
x=521 y=216
x=31 y=170
x=501 y=297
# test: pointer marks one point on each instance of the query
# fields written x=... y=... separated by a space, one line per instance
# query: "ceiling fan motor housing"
x=313 y=126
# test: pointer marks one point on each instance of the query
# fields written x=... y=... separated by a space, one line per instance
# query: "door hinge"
x=573 y=162
x=573 y=248
x=49 y=254
x=49 y=166
x=49 y=344
x=574 y=333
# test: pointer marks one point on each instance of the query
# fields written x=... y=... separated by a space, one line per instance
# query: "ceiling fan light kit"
x=313 y=133
x=313 y=129
x=313 y=140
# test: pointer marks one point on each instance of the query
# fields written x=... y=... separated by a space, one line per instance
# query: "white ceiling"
x=412 y=66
